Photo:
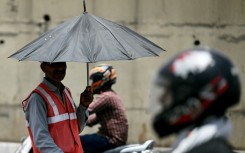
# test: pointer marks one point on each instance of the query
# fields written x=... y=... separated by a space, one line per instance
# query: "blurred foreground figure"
x=194 y=90
x=107 y=110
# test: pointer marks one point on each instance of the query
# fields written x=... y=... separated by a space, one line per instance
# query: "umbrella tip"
x=84 y=6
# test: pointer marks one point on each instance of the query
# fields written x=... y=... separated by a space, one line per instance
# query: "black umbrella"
x=88 y=38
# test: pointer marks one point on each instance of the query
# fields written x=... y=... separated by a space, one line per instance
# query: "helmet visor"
x=160 y=96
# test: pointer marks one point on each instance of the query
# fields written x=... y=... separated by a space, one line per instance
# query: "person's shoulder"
x=35 y=101
x=216 y=145
x=35 y=97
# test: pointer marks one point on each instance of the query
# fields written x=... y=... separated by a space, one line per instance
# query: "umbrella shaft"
x=87 y=64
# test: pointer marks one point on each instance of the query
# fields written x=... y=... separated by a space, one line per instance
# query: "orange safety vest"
x=62 y=120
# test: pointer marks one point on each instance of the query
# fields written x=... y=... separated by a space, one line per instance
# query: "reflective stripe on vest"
x=58 y=117
x=62 y=117
x=50 y=100
x=70 y=99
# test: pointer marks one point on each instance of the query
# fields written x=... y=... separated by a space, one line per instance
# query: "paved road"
x=9 y=147
x=166 y=150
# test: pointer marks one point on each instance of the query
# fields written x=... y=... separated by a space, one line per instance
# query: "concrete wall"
x=172 y=24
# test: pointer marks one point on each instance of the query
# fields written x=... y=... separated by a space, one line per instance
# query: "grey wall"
x=172 y=24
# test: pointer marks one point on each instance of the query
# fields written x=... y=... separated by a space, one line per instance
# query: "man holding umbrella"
x=53 y=121
x=75 y=40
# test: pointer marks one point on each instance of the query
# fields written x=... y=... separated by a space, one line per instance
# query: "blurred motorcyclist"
x=194 y=89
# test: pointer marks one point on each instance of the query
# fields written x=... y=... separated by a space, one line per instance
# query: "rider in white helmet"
x=107 y=110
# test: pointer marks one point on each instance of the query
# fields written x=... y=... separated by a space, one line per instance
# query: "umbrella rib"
x=115 y=38
x=26 y=46
x=62 y=43
x=143 y=38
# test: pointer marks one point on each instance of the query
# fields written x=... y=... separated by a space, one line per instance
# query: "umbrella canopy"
x=88 y=38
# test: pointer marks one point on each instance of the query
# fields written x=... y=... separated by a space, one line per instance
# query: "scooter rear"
x=146 y=147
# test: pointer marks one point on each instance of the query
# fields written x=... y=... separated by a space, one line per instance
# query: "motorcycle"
x=25 y=146
x=146 y=147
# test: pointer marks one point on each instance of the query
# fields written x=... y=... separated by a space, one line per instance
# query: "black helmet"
x=196 y=83
x=102 y=75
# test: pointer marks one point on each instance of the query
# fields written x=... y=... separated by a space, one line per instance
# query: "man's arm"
x=82 y=116
x=36 y=115
x=86 y=97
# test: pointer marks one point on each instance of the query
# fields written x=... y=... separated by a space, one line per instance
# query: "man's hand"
x=86 y=97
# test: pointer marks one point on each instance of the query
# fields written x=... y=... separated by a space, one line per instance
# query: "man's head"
x=194 y=85
x=103 y=77
x=54 y=71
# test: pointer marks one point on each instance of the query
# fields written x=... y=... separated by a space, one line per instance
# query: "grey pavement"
x=8 y=147
x=166 y=150
x=11 y=147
